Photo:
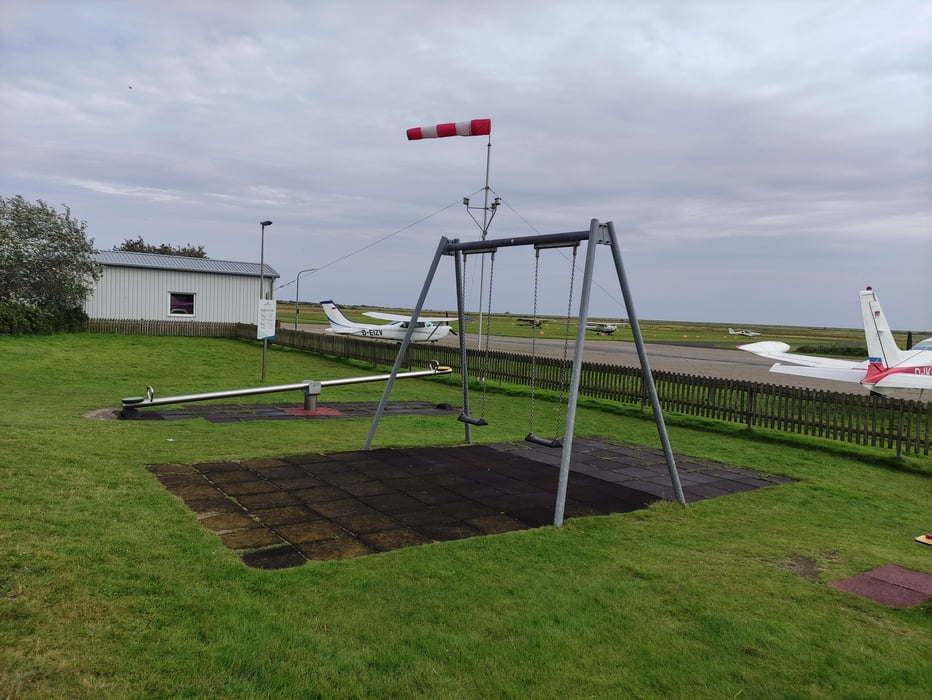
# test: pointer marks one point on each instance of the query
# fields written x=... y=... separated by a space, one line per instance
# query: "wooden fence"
x=176 y=327
x=900 y=424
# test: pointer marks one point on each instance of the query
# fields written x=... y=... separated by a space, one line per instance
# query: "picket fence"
x=901 y=424
x=177 y=327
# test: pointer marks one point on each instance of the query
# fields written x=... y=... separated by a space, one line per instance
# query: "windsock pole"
x=472 y=127
x=485 y=203
x=485 y=231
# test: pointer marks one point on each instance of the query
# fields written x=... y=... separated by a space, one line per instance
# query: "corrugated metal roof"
x=121 y=258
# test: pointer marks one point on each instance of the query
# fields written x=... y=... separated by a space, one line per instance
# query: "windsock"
x=474 y=127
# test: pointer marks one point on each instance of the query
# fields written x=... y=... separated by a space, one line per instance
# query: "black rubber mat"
x=236 y=413
x=282 y=512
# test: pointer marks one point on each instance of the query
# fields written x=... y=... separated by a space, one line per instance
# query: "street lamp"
x=297 y=295
x=262 y=294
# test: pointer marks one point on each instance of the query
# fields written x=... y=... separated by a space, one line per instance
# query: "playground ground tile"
x=287 y=511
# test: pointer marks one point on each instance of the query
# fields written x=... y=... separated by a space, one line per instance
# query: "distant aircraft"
x=536 y=322
x=749 y=334
x=887 y=368
x=425 y=330
x=602 y=328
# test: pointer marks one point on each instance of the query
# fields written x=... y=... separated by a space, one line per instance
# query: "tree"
x=140 y=246
x=47 y=268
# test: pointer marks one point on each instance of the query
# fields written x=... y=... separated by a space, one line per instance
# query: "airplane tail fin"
x=881 y=347
x=337 y=320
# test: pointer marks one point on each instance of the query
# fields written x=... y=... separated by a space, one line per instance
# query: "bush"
x=72 y=320
x=47 y=267
x=21 y=318
x=858 y=351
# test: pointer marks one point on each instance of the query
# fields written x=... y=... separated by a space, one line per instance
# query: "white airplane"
x=749 y=334
x=887 y=368
x=601 y=327
x=425 y=329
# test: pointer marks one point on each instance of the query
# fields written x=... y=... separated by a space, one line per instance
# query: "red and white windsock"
x=473 y=127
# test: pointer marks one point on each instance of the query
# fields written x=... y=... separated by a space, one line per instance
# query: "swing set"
x=598 y=234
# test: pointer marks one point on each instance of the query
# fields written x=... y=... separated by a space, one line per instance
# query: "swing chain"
x=488 y=335
x=484 y=356
x=561 y=406
x=464 y=377
x=534 y=341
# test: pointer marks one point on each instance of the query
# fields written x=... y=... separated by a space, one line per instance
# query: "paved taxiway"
x=685 y=359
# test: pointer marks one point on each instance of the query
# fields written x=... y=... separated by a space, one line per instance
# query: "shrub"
x=22 y=318
x=858 y=351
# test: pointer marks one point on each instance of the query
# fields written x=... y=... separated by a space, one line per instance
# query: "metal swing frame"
x=598 y=234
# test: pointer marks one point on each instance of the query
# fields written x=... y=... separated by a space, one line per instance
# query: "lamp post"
x=297 y=295
x=262 y=294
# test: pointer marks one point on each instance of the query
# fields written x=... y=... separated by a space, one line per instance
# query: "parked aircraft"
x=601 y=327
x=536 y=322
x=887 y=368
x=749 y=334
x=425 y=329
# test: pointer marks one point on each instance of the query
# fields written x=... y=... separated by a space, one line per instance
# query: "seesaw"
x=309 y=387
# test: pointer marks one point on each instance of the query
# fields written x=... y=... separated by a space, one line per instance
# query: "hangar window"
x=180 y=304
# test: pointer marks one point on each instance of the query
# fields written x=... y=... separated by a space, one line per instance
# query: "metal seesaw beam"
x=142 y=402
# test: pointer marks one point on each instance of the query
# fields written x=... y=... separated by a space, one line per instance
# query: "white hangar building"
x=174 y=287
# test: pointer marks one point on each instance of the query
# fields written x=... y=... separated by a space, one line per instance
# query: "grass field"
x=109 y=587
x=653 y=331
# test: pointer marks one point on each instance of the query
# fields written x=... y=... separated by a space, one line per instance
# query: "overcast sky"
x=761 y=161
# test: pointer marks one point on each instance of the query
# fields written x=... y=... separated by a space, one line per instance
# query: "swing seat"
x=463 y=418
x=531 y=437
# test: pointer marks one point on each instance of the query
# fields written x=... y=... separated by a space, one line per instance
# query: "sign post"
x=265 y=327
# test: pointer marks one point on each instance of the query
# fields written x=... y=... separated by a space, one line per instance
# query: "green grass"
x=714 y=335
x=110 y=588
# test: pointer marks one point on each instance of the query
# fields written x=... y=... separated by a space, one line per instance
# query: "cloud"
x=741 y=149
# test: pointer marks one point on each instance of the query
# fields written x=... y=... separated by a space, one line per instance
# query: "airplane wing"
x=775 y=350
x=397 y=317
x=838 y=374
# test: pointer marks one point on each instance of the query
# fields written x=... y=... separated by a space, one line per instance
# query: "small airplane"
x=602 y=328
x=425 y=329
x=887 y=368
x=749 y=334
x=536 y=322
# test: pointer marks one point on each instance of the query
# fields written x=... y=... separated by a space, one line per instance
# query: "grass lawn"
x=715 y=335
x=109 y=587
